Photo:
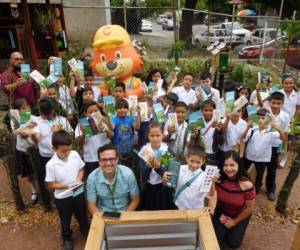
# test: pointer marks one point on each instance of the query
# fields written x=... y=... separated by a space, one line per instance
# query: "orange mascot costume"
x=114 y=55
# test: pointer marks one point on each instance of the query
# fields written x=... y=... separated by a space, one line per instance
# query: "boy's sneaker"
x=34 y=198
x=271 y=196
x=68 y=245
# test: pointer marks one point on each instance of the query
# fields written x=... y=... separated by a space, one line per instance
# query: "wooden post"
x=53 y=40
x=28 y=32
x=296 y=242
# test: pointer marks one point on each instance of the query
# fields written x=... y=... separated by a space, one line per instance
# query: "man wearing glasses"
x=14 y=85
x=111 y=187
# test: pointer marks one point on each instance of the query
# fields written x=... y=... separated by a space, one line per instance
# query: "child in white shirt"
x=65 y=171
x=191 y=197
x=259 y=142
x=92 y=143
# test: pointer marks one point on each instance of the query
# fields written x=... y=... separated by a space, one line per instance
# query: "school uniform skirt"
x=157 y=197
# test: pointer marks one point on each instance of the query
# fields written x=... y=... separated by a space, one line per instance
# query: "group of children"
x=256 y=137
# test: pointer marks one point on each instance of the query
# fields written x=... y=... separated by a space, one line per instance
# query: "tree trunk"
x=288 y=185
x=186 y=25
x=7 y=146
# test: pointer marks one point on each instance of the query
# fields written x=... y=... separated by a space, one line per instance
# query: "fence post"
x=125 y=14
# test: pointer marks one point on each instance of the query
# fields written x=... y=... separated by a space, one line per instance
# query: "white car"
x=168 y=24
x=237 y=29
x=146 y=26
x=256 y=36
x=162 y=18
x=216 y=35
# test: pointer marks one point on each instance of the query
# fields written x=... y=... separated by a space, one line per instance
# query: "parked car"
x=257 y=36
x=163 y=17
x=237 y=29
x=168 y=24
x=146 y=26
x=254 y=51
x=216 y=35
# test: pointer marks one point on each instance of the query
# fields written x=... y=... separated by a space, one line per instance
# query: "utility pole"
x=280 y=10
x=175 y=24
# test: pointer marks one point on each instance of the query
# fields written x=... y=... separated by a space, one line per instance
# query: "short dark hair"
x=172 y=97
x=86 y=89
x=188 y=74
x=120 y=85
x=61 y=138
x=277 y=96
x=181 y=104
x=262 y=112
x=47 y=105
x=155 y=125
x=196 y=150
x=208 y=103
x=19 y=102
x=106 y=147
x=87 y=104
x=122 y=104
x=204 y=75
x=229 y=85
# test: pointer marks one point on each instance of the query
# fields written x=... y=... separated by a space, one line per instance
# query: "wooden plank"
x=206 y=232
x=156 y=216
x=96 y=233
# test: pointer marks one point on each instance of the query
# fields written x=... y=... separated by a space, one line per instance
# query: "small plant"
x=43 y=18
x=176 y=51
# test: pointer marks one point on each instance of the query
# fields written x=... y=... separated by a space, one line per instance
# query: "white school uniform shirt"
x=208 y=137
x=91 y=144
x=45 y=131
x=58 y=170
x=23 y=144
x=186 y=96
x=259 y=147
x=290 y=103
x=178 y=138
x=190 y=197
x=154 y=177
x=96 y=89
x=233 y=134
x=282 y=120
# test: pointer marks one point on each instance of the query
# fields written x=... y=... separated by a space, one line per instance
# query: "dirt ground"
x=267 y=230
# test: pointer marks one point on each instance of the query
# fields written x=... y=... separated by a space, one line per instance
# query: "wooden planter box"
x=173 y=229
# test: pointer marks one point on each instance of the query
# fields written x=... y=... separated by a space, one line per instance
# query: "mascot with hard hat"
x=114 y=56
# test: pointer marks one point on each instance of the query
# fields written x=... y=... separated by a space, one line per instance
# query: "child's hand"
x=250 y=123
x=50 y=60
x=258 y=86
x=195 y=133
x=211 y=211
x=171 y=129
x=166 y=177
x=219 y=126
x=155 y=163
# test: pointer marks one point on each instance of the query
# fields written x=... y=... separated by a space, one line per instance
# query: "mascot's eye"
x=102 y=57
x=118 y=54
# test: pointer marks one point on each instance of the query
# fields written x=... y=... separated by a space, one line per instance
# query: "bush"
x=192 y=65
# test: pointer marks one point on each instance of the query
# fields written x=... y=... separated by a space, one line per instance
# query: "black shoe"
x=271 y=196
x=68 y=245
x=48 y=208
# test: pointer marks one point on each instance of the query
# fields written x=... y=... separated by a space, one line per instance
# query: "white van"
x=162 y=18
x=257 y=36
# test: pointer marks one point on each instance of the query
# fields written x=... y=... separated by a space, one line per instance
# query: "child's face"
x=88 y=95
x=207 y=112
x=206 y=81
x=194 y=162
x=181 y=114
x=122 y=111
x=275 y=105
x=91 y=109
x=63 y=151
x=167 y=102
x=187 y=81
x=25 y=106
x=50 y=116
x=89 y=81
x=119 y=93
x=230 y=168
x=288 y=85
x=51 y=92
x=244 y=92
x=155 y=77
x=155 y=137
x=263 y=121
x=60 y=81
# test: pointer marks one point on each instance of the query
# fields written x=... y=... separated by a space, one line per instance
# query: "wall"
x=82 y=23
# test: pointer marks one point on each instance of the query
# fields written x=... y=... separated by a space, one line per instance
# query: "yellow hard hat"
x=110 y=36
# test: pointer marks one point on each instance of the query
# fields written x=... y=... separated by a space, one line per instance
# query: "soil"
x=267 y=230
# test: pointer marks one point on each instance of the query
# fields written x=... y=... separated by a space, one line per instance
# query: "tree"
x=186 y=25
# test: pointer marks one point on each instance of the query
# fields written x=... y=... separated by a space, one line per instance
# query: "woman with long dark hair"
x=236 y=200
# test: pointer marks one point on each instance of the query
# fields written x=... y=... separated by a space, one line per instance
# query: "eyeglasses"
x=108 y=160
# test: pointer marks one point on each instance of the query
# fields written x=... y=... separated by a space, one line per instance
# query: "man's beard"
x=16 y=68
